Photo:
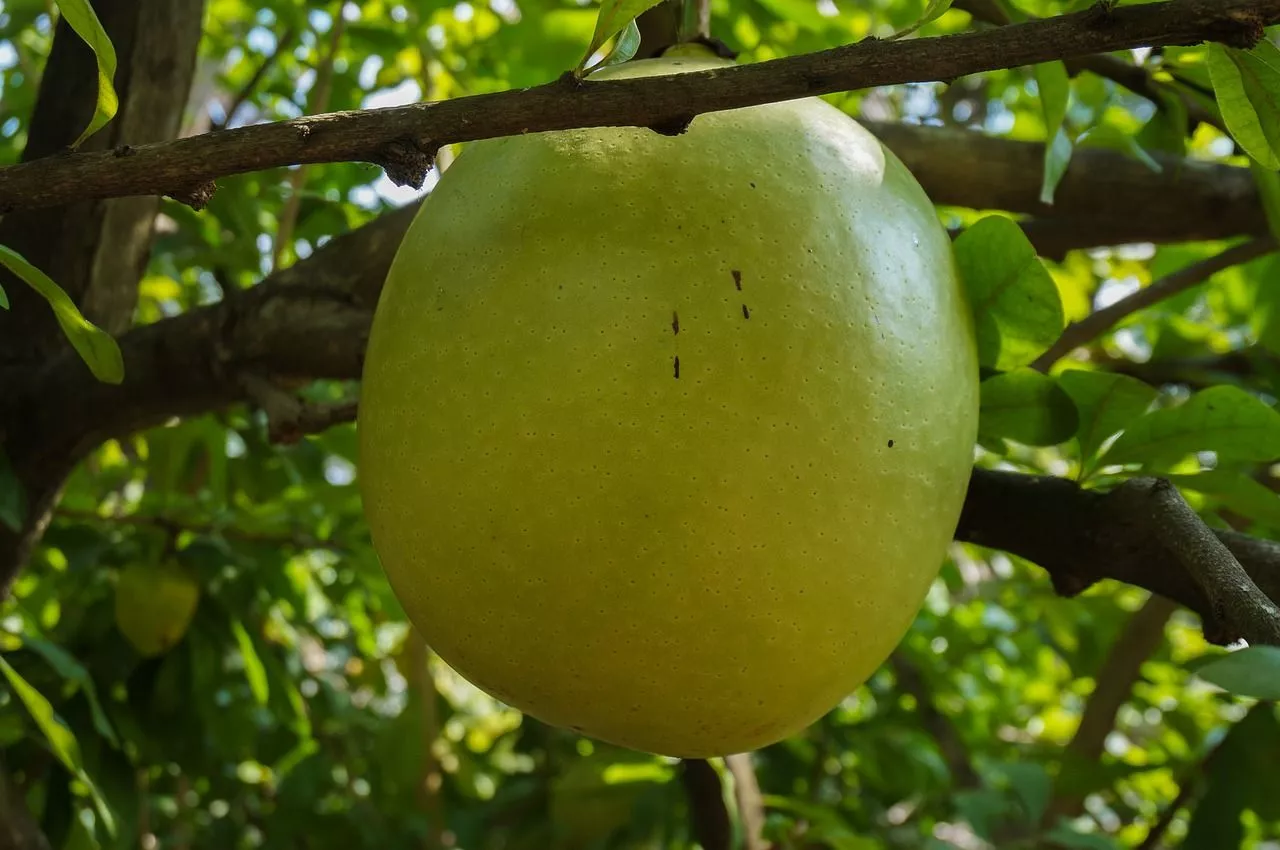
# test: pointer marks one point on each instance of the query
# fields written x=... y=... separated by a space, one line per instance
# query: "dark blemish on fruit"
x=746 y=314
x=753 y=185
x=891 y=444
x=675 y=322
x=677 y=366
x=737 y=279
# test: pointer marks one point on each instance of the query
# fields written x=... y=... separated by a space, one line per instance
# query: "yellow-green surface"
x=154 y=606
x=689 y=566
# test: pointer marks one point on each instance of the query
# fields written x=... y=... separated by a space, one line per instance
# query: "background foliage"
x=299 y=710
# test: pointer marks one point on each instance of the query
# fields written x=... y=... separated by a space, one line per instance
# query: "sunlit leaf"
x=82 y=18
x=1016 y=306
x=96 y=347
x=254 y=672
x=936 y=9
x=1222 y=419
x=613 y=18
x=1247 y=85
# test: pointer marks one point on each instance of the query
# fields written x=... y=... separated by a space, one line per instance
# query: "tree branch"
x=1143 y=634
x=750 y=802
x=1099 y=322
x=1081 y=537
x=1133 y=77
x=403 y=140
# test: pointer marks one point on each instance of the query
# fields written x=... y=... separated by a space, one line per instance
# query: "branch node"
x=303 y=131
x=675 y=126
x=407 y=161
x=290 y=418
x=196 y=196
x=123 y=150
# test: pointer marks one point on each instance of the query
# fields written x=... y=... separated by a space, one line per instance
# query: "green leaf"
x=1105 y=403
x=61 y=740
x=13 y=496
x=73 y=671
x=613 y=18
x=1250 y=672
x=80 y=15
x=1017 y=309
x=625 y=47
x=1222 y=419
x=4 y=299
x=1237 y=491
x=1063 y=835
x=1055 y=92
x=96 y=347
x=1027 y=407
x=1112 y=137
x=1167 y=129
x=936 y=9
x=253 y=669
x=1247 y=86
x=1240 y=775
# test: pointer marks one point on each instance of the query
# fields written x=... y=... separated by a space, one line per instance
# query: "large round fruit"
x=663 y=438
x=154 y=605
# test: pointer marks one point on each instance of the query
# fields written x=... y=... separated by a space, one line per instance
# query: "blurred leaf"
x=80 y=15
x=4 y=299
x=1063 y=835
x=1106 y=403
x=628 y=42
x=60 y=738
x=1026 y=406
x=253 y=669
x=1054 y=84
x=1113 y=138
x=1250 y=672
x=1222 y=419
x=1015 y=303
x=1240 y=775
x=73 y=671
x=936 y=9
x=1247 y=85
x=97 y=348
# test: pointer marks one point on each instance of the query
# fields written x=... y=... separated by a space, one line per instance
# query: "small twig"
x=708 y=814
x=283 y=43
x=1132 y=77
x=317 y=102
x=290 y=418
x=1097 y=323
x=1238 y=609
x=746 y=791
x=175 y=524
x=1143 y=634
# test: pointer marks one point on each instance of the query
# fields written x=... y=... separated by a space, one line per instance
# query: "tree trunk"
x=95 y=250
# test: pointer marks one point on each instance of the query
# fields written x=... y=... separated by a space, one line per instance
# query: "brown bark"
x=403 y=140
x=95 y=249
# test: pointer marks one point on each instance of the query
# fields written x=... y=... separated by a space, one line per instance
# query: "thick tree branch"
x=403 y=140
x=1081 y=537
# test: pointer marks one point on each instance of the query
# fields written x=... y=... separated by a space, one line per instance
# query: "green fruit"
x=692 y=562
x=154 y=606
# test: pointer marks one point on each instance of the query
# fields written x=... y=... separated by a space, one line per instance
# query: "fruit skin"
x=154 y=606
x=693 y=565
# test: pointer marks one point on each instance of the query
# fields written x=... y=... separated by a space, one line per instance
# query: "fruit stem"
x=695 y=23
